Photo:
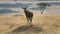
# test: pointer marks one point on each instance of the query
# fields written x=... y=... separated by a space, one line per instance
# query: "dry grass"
x=42 y=24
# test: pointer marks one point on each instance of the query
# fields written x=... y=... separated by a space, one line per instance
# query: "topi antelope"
x=29 y=16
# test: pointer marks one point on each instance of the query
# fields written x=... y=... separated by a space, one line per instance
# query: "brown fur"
x=29 y=15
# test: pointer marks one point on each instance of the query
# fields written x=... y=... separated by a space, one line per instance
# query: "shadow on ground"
x=28 y=28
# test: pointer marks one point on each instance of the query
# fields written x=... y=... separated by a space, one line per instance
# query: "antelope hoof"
x=30 y=25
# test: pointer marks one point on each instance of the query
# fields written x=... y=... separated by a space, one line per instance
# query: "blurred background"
x=14 y=6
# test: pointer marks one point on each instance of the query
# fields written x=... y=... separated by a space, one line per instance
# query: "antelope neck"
x=25 y=10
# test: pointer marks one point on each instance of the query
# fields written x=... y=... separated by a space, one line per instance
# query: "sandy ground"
x=42 y=24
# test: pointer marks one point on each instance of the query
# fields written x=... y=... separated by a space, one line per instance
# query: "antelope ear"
x=22 y=7
x=49 y=5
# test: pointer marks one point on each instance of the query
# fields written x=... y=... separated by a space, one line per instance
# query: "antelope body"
x=29 y=16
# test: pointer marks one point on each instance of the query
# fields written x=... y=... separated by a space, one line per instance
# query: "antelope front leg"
x=27 y=21
x=30 y=21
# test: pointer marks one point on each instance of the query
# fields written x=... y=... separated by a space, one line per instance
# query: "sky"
x=17 y=5
x=30 y=0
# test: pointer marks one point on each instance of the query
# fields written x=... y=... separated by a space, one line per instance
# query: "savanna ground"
x=42 y=24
